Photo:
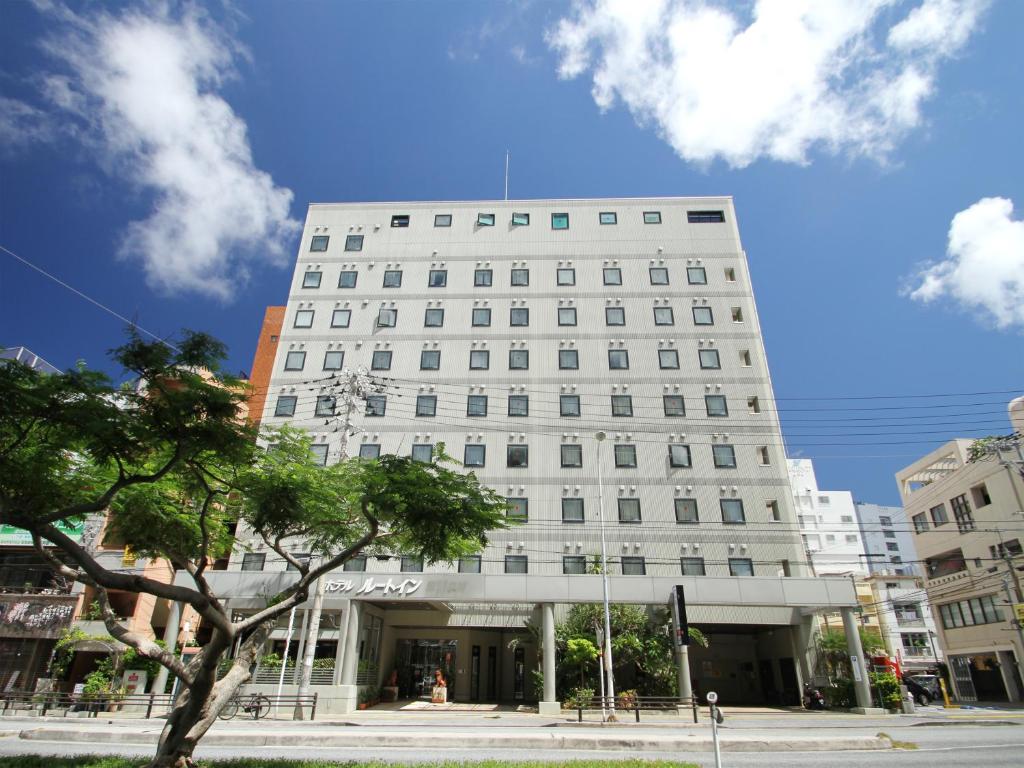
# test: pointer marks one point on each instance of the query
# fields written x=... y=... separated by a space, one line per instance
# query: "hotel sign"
x=370 y=585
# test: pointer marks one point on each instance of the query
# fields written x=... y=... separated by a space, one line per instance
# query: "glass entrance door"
x=417 y=662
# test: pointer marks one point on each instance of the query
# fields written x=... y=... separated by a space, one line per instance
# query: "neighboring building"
x=27 y=357
x=905 y=621
x=888 y=542
x=828 y=524
x=513 y=332
x=967 y=520
x=263 y=361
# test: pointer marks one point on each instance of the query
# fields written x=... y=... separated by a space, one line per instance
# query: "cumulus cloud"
x=984 y=268
x=845 y=76
x=144 y=86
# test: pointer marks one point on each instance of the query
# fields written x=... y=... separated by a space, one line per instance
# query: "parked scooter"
x=813 y=698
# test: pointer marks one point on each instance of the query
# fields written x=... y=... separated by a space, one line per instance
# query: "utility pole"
x=354 y=387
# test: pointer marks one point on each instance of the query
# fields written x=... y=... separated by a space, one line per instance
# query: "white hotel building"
x=512 y=332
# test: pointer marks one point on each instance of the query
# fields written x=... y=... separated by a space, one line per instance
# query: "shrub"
x=841 y=694
x=580 y=697
x=887 y=688
x=626 y=699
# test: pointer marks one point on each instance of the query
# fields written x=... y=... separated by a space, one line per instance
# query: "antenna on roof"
x=506 y=173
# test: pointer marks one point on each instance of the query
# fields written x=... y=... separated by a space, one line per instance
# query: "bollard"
x=716 y=718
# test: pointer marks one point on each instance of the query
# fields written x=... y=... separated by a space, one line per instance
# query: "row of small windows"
x=520 y=276
x=961 y=511
x=968 y=613
x=519 y=317
x=559 y=221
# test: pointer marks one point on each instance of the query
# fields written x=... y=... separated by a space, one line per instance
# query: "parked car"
x=924 y=688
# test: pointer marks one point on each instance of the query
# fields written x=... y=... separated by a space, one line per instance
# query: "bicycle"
x=256 y=705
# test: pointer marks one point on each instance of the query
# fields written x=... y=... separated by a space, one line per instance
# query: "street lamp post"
x=610 y=688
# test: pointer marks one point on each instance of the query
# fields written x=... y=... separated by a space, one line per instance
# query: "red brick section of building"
x=263 y=361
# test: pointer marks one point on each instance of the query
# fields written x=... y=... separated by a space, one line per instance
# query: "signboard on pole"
x=1018 y=611
x=679 y=614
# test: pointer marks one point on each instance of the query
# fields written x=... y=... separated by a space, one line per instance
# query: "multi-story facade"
x=828 y=524
x=905 y=621
x=967 y=520
x=263 y=361
x=888 y=542
x=514 y=332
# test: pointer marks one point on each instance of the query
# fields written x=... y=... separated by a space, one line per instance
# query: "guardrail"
x=637 y=703
x=93 y=704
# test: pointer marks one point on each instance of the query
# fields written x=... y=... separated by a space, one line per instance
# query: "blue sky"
x=873 y=150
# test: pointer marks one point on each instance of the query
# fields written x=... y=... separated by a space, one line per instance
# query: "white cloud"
x=22 y=124
x=984 y=271
x=796 y=75
x=144 y=85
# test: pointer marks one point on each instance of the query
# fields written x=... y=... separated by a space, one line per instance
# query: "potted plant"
x=364 y=698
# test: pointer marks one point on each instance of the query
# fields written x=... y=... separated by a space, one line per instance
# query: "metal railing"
x=636 y=704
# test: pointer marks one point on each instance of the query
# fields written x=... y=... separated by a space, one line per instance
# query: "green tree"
x=173 y=463
x=581 y=652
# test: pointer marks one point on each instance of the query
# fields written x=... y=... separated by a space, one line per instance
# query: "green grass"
x=96 y=761
x=897 y=744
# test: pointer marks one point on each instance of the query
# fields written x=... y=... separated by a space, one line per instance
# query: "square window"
x=481 y=318
x=442 y=220
x=686 y=511
x=518 y=359
x=622 y=405
x=430 y=360
x=633 y=566
x=520 y=277
x=754 y=406
x=573 y=565
x=724 y=455
x=668 y=358
x=715 y=405
x=732 y=511
x=703 y=316
x=517 y=457
x=663 y=316
x=920 y=521
x=519 y=316
x=433 y=318
x=341 y=318
x=399 y=221
x=295 y=361
x=518 y=405
x=387 y=318
x=572 y=510
x=625 y=456
x=426 y=405
x=696 y=276
x=520 y=219
x=730 y=275
x=354 y=243
x=485 y=219
x=311 y=279
x=572 y=456
x=692 y=566
x=516 y=564
x=253 y=561
x=369 y=451
x=559 y=220
x=614 y=316
x=334 y=360
x=567 y=316
x=423 y=452
x=483 y=278
x=347 y=279
x=476 y=405
x=629 y=510
x=679 y=456
x=392 y=278
x=518 y=509
x=741 y=566
x=618 y=359
x=376 y=405
x=319 y=452
x=285 y=405
x=737 y=314
x=325 y=405
x=412 y=564
x=479 y=360
x=939 y=516
x=469 y=564
x=745 y=358
x=319 y=243
x=569 y=405
x=652 y=217
x=568 y=359
x=612 y=276
x=608 y=217
x=381 y=361
x=673 y=405
x=566 y=277
x=709 y=359
x=304 y=318
x=705 y=217
x=659 y=275
x=475 y=455
x=357 y=563
x=438 y=278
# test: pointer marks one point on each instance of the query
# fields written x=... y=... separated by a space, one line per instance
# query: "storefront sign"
x=371 y=585
x=1018 y=610
x=17 y=537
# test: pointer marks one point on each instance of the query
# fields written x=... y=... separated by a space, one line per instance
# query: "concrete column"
x=339 y=654
x=861 y=685
x=348 y=690
x=549 y=705
x=301 y=650
x=171 y=640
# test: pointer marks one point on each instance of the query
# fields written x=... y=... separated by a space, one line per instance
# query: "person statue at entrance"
x=440 y=693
